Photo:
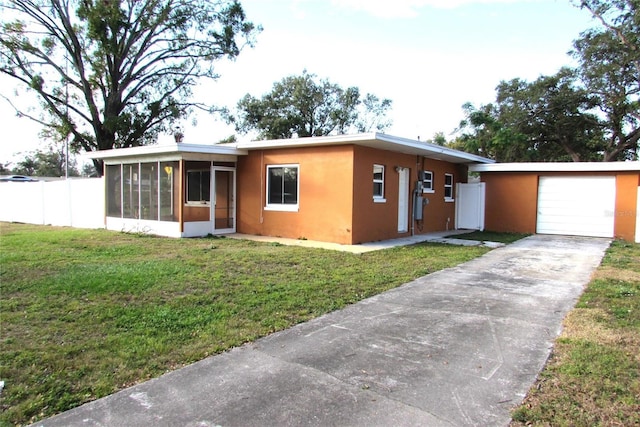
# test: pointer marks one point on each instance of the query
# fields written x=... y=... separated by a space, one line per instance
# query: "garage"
x=578 y=206
x=600 y=199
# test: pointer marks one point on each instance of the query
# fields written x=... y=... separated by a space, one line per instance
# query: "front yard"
x=84 y=313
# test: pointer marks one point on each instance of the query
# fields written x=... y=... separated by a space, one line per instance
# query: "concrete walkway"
x=459 y=347
x=437 y=237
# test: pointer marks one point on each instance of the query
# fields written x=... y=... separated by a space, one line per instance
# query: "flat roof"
x=165 y=149
x=374 y=140
x=557 y=167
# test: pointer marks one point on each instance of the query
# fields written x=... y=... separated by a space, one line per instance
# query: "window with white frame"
x=448 y=187
x=378 y=183
x=283 y=187
x=199 y=187
x=427 y=182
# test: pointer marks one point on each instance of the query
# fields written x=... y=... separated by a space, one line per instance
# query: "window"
x=168 y=211
x=427 y=182
x=378 y=183
x=282 y=187
x=131 y=191
x=199 y=187
x=149 y=191
x=448 y=187
x=142 y=191
x=114 y=190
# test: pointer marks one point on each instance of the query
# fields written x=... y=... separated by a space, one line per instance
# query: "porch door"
x=403 y=200
x=223 y=199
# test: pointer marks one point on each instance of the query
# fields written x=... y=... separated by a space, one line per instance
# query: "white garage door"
x=577 y=206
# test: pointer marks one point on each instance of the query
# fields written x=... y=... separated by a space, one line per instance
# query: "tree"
x=302 y=106
x=46 y=163
x=545 y=120
x=552 y=115
x=609 y=68
x=114 y=74
x=482 y=133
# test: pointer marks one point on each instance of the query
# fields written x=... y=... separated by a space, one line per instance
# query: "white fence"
x=75 y=202
x=470 y=203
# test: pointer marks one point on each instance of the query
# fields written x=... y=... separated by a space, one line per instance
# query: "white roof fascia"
x=434 y=149
x=307 y=141
x=165 y=150
x=374 y=139
x=557 y=167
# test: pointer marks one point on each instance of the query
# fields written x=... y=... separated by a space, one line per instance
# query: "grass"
x=84 y=313
x=490 y=236
x=593 y=375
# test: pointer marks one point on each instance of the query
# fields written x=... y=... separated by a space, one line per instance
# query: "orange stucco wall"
x=326 y=188
x=379 y=221
x=439 y=215
x=336 y=194
x=626 y=205
x=511 y=200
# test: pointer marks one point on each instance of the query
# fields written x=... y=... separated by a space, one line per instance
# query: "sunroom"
x=174 y=190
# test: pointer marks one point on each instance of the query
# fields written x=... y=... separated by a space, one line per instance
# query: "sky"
x=428 y=56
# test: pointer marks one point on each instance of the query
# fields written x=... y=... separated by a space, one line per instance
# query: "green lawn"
x=84 y=313
x=593 y=375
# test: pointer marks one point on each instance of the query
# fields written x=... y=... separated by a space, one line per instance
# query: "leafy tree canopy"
x=305 y=106
x=49 y=163
x=609 y=58
x=585 y=114
x=114 y=74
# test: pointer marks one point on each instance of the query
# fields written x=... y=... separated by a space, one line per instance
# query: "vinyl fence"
x=77 y=202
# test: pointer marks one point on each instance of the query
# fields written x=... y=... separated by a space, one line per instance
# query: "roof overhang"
x=373 y=140
x=379 y=141
x=166 y=152
x=557 y=167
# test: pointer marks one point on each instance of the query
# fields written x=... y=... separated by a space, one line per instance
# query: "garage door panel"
x=581 y=206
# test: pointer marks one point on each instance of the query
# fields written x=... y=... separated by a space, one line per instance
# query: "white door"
x=223 y=200
x=403 y=200
x=577 y=206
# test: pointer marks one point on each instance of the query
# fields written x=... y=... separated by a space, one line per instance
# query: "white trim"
x=197 y=203
x=638 y=218
x=403 y=200
x=379 y=197
x=177 y=151
x=431 y=181
x=160 y=228
x=373 y=140
x=557 y=167
x=452 y=186
x=214 y=199
x=283 y=207
x=197 y=228
x=165 y=150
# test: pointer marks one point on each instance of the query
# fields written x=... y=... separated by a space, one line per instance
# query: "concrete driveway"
x=459 y=347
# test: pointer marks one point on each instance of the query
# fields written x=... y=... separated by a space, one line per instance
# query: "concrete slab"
x=436 y=237
x=459 y=347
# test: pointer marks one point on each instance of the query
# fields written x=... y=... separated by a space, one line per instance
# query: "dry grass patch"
x=592 y=377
